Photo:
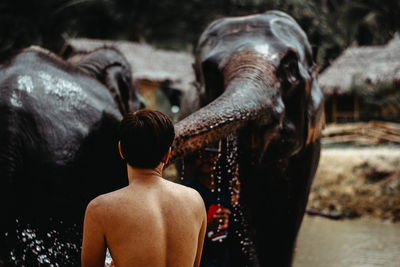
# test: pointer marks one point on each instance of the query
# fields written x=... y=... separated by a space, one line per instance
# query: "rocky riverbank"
x=354 y=181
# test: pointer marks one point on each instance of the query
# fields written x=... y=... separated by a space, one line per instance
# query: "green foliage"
x=331 y=25
x=40 y=22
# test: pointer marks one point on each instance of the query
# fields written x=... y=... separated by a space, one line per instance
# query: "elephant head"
x=254 y=70
x=109 y=66
x=257 y=78
x=58 y=146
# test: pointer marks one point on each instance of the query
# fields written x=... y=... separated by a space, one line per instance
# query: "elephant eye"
x=292 y=72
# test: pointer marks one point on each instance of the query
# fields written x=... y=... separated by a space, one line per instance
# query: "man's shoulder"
x=182 y=188
x=102 y=202
x=185 y=192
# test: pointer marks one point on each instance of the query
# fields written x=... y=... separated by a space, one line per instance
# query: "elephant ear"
x=109 y=66
x=288 y=72
x=315 y=111
x=293 y=74
x=120 y=87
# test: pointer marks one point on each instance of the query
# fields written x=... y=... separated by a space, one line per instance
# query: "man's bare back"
x=151 y=222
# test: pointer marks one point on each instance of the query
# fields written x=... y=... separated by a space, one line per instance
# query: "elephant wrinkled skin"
x=257 y=79
x=58 y=144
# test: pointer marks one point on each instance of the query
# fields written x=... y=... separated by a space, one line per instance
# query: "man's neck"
x=137 y=175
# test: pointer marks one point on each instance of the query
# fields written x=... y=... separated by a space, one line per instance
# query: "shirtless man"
x=151 y=222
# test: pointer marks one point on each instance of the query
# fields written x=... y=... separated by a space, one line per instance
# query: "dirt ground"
x=354 y=181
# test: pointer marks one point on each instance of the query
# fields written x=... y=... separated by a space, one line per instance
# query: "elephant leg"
x=275 y=202
x=271 y=219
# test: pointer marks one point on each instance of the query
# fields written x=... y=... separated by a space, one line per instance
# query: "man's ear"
x=166 y=157
x=120 y=151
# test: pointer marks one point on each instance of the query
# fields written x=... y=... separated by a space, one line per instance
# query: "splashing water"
x=182 y=178
x=239 y=225
x=58 y=245
x=225 y=184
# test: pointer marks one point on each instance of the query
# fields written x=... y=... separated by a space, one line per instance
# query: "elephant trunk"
x=251 y=94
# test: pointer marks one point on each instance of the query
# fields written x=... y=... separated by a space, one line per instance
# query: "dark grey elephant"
x=258 y=82
x=58 y=148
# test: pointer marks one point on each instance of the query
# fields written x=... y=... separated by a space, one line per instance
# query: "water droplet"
x=175 y=109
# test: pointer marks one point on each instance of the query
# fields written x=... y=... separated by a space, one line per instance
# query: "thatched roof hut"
x=151 y=67
x=363 y=74
x=362 y=65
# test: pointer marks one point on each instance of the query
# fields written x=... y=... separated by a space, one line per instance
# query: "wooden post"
x=356 y=108
x=334 y=109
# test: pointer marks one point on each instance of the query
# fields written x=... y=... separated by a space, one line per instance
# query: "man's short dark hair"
x=145 y=136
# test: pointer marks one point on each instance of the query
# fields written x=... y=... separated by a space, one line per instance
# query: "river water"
x=362 y=242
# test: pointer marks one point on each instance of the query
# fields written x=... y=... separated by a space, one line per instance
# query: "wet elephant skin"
x=256 y=79
x=58 y=147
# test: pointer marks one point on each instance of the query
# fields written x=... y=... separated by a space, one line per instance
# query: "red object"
x=212 y=210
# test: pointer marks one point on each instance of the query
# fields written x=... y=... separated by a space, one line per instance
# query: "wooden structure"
x=359 y=72
x=152 y=68
x=362 y=133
